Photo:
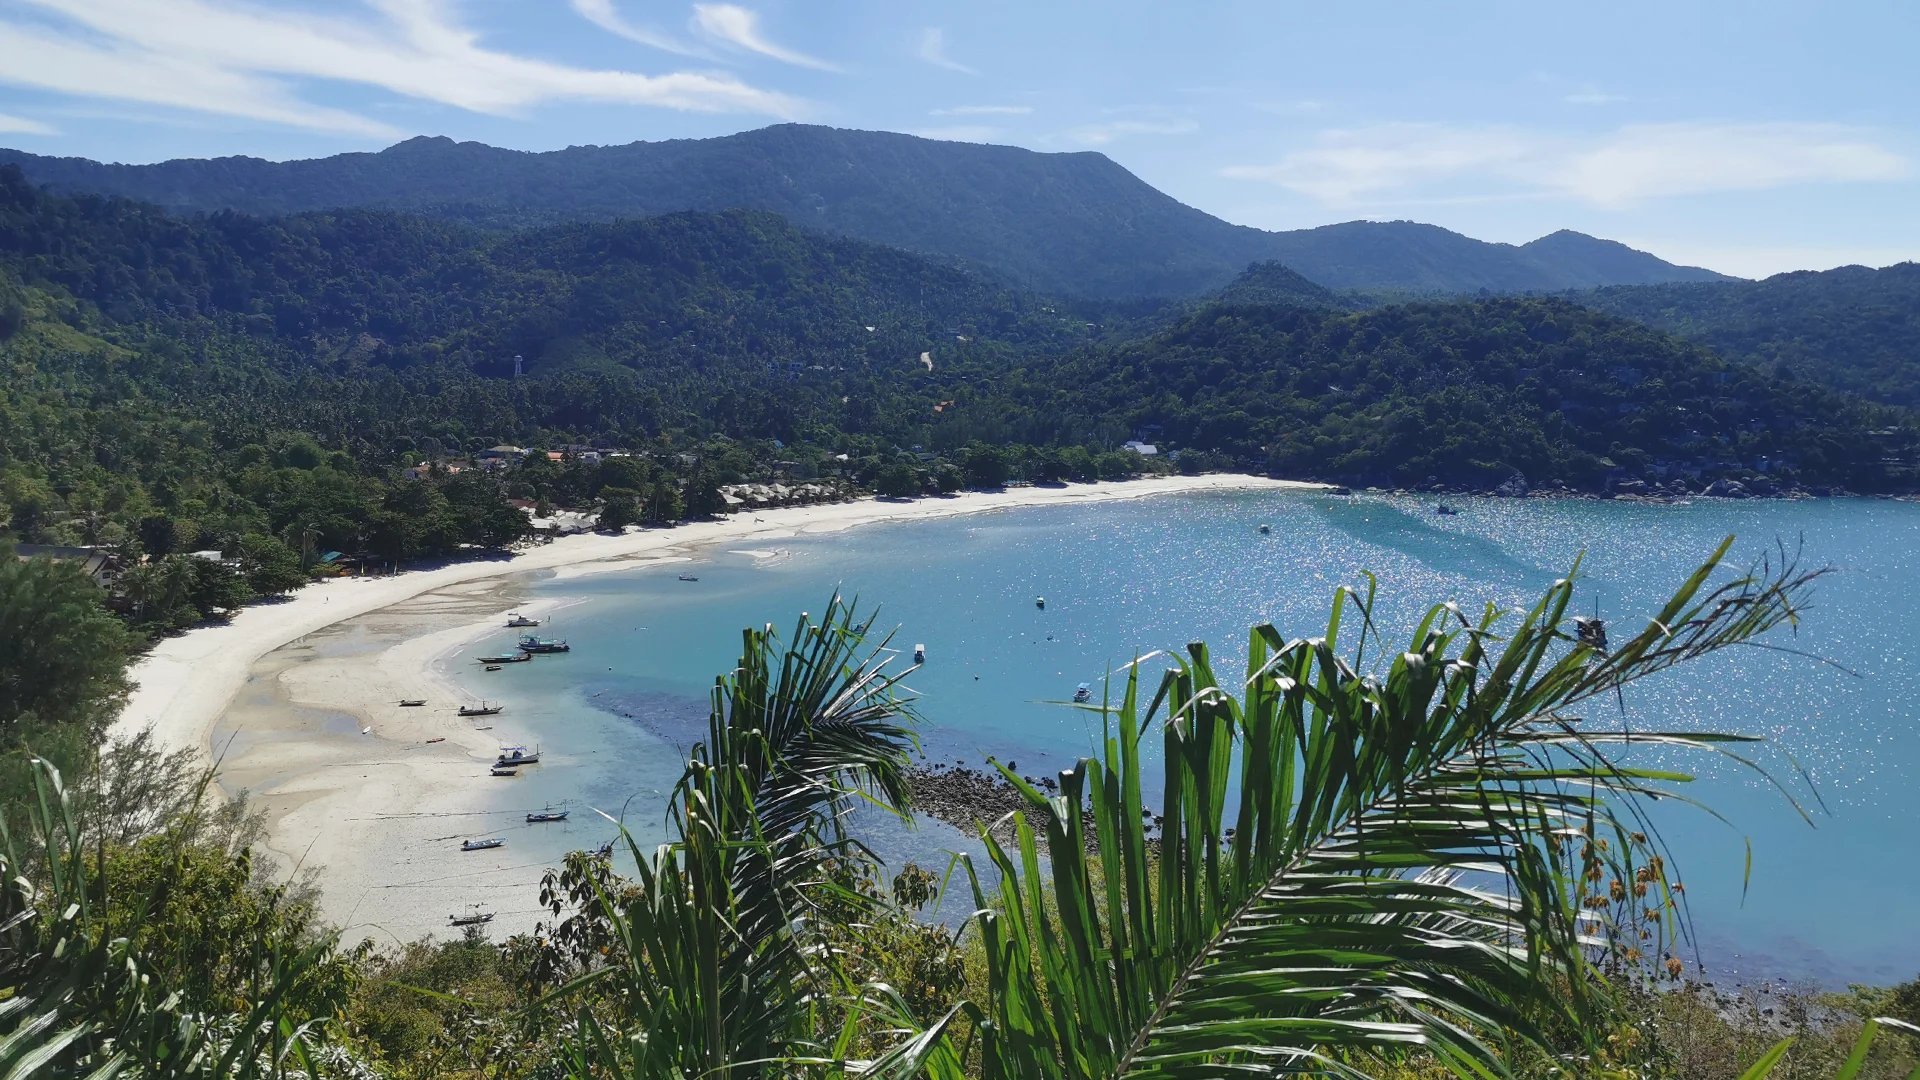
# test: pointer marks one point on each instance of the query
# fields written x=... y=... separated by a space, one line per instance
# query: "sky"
x=1750 y=137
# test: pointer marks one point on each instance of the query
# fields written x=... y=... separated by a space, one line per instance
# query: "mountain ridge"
x=1069 y=223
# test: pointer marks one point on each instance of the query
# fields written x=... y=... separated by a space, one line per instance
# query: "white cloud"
x=602 y=14
x=1102 y=134
x=20 y=125
x=973 y=133
x=1628 y=165
x=983 y=110
x=233 y=59
x=736 y=26
x=933 y=49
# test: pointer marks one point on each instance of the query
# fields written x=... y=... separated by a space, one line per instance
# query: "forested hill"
x=1853 y=328
x=385 y=338
x=1073 y=223
x=1468 y=393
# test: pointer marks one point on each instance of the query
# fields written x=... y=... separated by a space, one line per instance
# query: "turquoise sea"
x=1833 y=900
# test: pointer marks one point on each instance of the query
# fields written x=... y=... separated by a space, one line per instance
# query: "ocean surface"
x=1833 y=897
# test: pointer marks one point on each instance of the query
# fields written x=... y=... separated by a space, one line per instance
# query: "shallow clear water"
x=1834 y=900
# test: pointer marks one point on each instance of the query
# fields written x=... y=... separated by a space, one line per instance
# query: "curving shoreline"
x=186 y=683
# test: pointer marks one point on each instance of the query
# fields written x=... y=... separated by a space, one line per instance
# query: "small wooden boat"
x=543 y=816
x=1083 y=695
x=482 y=845
x=435 y=739
x=511 y=756
x=482 y=709
x=517 y=619
x=478 y=918
x=491 y=667
x=412 y=702
x=497 y=771
x=516 y=658
x=688 y=577
x=531 y=644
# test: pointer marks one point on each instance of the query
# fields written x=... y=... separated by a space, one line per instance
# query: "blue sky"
x=1751 y=137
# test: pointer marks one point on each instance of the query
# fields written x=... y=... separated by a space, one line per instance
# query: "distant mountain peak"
x=1070 y=223
x=1272 y=282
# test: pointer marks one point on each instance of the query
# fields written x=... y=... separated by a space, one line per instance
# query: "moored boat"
x=478 y=918
x=482 y=845
x=542 y=816
x=1083 y=695
x=497 y=771
x=482 y=709
x=531 y=644
x=516 y=658
x=511 y=756
x=517 y=619
x=412 y=702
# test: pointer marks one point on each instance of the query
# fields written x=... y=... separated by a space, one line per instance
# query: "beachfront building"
x=1144 y=449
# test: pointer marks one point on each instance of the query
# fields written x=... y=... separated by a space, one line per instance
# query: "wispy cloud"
x=933 y=49
x=20 y=125
x=973 y=133
x=240 y=59
x=983 y=110
x=1102 y=134
x=734 y=25
x=1625 y=166
x=602 y=14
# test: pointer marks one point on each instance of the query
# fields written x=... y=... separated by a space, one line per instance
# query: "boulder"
x=1513 y=487
x=1727 y=489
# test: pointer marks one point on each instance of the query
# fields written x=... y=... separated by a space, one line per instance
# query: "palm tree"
x=716 y=975
x=1347 y=864
x=78 y=999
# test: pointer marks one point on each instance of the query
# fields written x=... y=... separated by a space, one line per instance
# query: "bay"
x=1831 y=897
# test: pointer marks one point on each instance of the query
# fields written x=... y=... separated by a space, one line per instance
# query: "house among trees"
x=102 y=566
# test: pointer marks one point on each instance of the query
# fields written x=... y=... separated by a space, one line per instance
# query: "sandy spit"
x=300 y=701
x=186 y=682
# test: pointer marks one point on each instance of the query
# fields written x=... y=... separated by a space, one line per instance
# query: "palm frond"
x=77 y=998
x=1346 y=861
x=715 y=970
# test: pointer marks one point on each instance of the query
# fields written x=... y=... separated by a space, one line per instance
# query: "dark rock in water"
x=679 y=719
x=1513 y=487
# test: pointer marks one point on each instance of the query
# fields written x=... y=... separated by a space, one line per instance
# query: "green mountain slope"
x=389 y=336
x=1853 y=328
x=1466 y=394
x=1064 y=223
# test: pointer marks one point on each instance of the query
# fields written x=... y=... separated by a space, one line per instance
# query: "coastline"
x=299 y=703
x=185 y=683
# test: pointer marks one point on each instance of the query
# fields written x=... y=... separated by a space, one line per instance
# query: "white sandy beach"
x=363 y=805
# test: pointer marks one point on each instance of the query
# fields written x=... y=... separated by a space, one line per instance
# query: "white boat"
x=482 y=845
x=1083 y=695
x=517 y=619
x=511 y=756
x=919 y=654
